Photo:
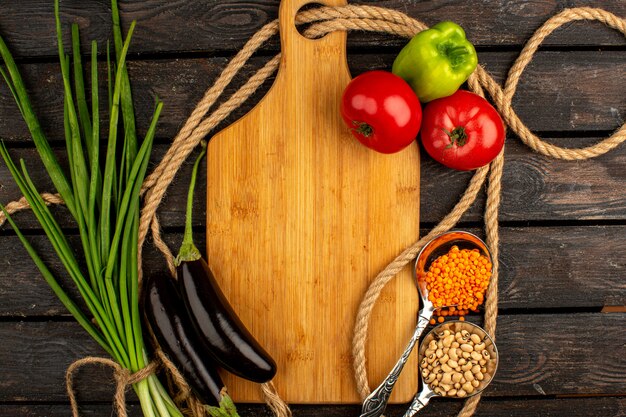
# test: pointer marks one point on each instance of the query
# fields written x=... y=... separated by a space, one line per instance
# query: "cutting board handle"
x=292 y=41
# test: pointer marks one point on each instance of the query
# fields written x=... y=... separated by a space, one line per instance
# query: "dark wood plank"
x=570 y=407
x=534 y=188
x=572 y=267
x=210 y=26
x=561 y=91
x=549 y=354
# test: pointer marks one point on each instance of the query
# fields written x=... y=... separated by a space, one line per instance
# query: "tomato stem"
x=363 y=128
x=457 y=136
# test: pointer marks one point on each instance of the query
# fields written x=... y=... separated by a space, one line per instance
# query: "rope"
x=22 y=204
x=123 y=379
x=374 y=19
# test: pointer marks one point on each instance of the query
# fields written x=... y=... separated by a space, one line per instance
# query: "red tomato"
x=382 y=111
x=462 y=131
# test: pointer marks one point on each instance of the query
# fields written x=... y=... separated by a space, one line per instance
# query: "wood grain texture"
x=570 y=92
x=570 y=407
x=542 y=268
x=217 y=26
x=298 y=224
x=539 y=353
x=566 y=91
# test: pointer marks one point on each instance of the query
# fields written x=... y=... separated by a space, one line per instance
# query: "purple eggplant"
x=219 y=327
x=167 y=317
x=216 y=323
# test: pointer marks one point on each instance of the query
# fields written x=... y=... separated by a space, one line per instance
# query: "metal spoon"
x=423 y=397
x=375 y=403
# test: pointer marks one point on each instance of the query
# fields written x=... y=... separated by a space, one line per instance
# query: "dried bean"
x=475 y=383
x=467 y=347
x=475 y=338
x=456 y=377
x=467 y=387
x=469 y=376
x=461 y=393
x=476 y=356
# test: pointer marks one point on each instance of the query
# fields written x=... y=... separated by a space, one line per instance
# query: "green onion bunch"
x=102 y=193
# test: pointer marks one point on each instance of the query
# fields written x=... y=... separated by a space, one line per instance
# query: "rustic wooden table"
x=563 y=224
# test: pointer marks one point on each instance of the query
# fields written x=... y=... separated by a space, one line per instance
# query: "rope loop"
x=123 y=379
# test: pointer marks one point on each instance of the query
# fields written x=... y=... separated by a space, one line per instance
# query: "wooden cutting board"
x=300 y=219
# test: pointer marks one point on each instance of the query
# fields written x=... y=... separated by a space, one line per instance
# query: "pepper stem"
x=188 y=251
x=456 y=54
x=457 y=136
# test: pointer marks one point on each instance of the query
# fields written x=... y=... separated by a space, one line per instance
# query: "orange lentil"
x=432 y=321
x=458 y=279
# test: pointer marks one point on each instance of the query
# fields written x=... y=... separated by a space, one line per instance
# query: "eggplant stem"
x=226 y=408
x=188 y=251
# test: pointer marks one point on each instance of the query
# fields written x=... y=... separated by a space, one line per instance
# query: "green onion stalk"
x=102 y=193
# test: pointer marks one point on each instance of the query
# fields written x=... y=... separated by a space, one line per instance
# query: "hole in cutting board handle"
x=303 y=27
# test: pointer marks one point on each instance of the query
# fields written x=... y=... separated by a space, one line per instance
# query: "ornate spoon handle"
x=375 y=403
x=419 y=402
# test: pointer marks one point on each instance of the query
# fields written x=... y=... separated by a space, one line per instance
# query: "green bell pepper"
x=436 y=61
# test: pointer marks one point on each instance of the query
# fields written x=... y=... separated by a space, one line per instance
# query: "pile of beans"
x=455 y=364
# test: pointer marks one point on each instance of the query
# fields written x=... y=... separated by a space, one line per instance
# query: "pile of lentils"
x=458 y=279
x=456 y=363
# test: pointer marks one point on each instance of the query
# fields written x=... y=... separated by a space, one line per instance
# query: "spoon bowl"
x=441 y=245
x=423 y=397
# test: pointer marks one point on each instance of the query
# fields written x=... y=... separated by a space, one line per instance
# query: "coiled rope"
x=373 y=19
